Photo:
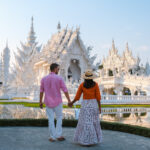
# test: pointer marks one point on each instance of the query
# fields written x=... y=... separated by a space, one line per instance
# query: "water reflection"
x=135 y=116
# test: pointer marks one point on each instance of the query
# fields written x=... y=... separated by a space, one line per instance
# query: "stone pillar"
x=114 y=72
x=120 y=93
x=119 y=90
x=138 y=88
x=138 y=92
x=107 y=73
x=101 y=88
x=132 y=92
x=101 y=72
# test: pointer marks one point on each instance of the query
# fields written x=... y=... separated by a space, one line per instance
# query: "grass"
x=14 y=98
x=27 y=104
x=142 y=131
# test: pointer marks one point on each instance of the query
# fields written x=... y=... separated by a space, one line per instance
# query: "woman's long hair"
x=88 y=83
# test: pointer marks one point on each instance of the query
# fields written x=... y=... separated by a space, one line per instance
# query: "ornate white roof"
x=28 y=49
x=128 y=59
x=62 y=42
x=114 y=60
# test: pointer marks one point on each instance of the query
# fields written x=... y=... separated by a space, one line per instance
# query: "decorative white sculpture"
x=5 y=72
x=123 y=73
x=118 y=73
x=32 y=63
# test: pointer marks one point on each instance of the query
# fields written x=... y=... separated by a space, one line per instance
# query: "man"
x=51 y=86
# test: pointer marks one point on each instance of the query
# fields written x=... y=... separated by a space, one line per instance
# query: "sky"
x=100 y=21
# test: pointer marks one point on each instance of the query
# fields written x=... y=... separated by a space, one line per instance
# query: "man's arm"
x=41 y=98
x=41 y=93
x=67 y=96
x=65 y=90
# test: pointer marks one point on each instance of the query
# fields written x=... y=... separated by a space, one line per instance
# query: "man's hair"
x=53 y=66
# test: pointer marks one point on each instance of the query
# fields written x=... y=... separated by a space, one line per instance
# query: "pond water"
x=134 y=116
x=140 y=119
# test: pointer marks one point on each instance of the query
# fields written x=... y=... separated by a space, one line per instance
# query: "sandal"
x=52 y=140
x=61 y=138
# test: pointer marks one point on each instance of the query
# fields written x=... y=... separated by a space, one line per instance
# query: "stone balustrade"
x=72 y=87
x=125 y=99
x=124 y=110
x=116 y=99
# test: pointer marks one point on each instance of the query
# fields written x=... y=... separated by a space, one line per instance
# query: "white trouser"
x=55 y=132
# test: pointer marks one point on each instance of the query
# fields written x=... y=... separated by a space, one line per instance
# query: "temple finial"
x=59 y=26
x=32 y=19
x=32 y=28
x=7 y=43
x=127 y=47
x=113 y=44
x=31 y=37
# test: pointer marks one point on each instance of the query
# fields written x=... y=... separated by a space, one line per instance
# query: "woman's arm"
x=99 y=106
x=73 y=102
x=78 y=94
x=98 y=97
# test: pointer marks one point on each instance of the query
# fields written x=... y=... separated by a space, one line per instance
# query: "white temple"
x=123 y=74
x=118 y=74
x=33 y=62
x=4 y=71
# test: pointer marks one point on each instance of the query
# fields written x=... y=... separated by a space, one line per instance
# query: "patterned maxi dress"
x=88 y=130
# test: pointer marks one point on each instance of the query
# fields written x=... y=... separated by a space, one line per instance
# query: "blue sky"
x=99 y=21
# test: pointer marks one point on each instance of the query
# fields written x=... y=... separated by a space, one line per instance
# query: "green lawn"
x=27 y=104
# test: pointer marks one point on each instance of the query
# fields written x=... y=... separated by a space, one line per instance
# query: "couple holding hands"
x=88 y=130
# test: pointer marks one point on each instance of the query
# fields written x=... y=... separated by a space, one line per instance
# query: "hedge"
x=138 y=130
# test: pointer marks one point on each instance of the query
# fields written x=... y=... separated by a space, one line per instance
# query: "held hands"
x=70 y=104
x=41 y=105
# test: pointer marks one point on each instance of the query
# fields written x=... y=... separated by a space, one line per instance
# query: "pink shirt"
x=52 y=85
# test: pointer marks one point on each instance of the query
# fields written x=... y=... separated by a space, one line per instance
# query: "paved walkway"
x=35 y=138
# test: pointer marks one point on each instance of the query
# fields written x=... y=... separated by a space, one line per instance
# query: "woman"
x=88 y=131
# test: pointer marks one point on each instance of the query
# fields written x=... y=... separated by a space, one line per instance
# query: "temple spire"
x=6 y=63
x=32 y=28
x=127 y=47
x=6 y=47
x=32 y=22
x=127 y=51
x=59 y=26
x=31 y=38
x=7 y=43
x=113 y=44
